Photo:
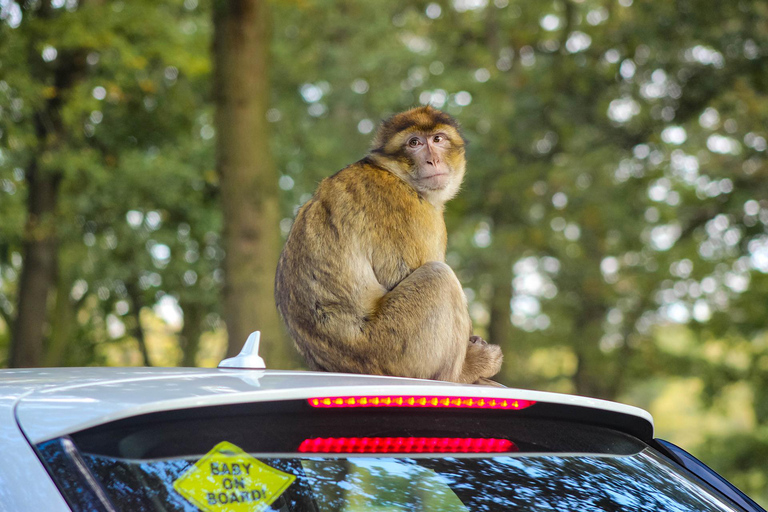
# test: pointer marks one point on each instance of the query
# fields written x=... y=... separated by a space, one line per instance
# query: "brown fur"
x=362 y=284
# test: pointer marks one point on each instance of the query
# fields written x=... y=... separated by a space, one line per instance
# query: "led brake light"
x=421 y=401
x=406 y=445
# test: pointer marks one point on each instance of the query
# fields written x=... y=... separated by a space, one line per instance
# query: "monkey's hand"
x=474 y=339
x=483 y=360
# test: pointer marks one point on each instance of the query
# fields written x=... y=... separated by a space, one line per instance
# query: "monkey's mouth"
x=435 y=176
x=435 y=181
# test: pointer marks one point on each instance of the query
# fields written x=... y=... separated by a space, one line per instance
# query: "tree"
x=43 y=174
x=95 y=91
x=248 y=177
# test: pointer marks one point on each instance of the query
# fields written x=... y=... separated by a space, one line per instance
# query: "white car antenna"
x=248 y=356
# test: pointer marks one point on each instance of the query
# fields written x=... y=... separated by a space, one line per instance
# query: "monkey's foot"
x=482 y=381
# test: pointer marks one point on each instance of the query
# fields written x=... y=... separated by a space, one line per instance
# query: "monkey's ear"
x=377 y=144
x=384 y=133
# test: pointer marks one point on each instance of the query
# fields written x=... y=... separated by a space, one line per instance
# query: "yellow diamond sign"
x=229 y=479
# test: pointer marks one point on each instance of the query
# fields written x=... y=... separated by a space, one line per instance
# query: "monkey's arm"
x=420 y=329
x=423 y=322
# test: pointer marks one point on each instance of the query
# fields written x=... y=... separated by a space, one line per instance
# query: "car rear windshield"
x=289 y=458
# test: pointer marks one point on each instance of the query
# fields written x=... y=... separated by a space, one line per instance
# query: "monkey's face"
x=434 y=160
x=424 y=147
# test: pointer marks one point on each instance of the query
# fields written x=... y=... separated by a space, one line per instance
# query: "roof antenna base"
x=248 y=358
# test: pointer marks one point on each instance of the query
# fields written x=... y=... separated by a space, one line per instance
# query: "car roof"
x=53 y=402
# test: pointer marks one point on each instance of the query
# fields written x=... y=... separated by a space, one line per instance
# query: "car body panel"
x=39 y=405
x=64 y=404
x=24 y=482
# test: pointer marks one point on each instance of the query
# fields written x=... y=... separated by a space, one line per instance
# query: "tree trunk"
x=500 y=323
x=191 y=331
x=63 y=319
x=39 y=270
x=249 y=194
x=40 y=245
x=137 y=304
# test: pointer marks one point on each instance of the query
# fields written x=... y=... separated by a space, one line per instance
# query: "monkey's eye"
x=414 y=142
x=438 y=138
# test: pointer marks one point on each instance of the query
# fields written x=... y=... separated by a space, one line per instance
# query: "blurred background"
x=611 y=234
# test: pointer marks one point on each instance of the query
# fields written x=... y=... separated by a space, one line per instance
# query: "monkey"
x=362 y=284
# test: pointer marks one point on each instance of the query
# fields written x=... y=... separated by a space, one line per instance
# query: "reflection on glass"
x=392 y=485
x=586 y=483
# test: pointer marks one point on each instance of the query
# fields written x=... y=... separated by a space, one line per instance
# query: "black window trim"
x=706 y=474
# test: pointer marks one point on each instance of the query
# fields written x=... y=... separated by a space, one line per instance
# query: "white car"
x=228 y=439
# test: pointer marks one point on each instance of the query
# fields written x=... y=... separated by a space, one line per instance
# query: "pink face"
x=429 y=156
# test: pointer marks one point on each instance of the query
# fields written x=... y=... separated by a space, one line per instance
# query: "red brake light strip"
x=406 y=445
x=421 y=401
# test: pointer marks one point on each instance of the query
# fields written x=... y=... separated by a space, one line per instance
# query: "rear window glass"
x=253 y=457
x=643 y=481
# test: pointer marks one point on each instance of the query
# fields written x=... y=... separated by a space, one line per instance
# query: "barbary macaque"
x=362 y=283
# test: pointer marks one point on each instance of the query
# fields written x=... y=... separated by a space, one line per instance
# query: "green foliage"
x=137 y=217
